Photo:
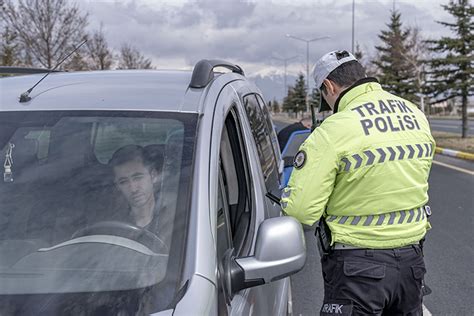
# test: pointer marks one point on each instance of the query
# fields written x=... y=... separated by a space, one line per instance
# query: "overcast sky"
x=176 y=34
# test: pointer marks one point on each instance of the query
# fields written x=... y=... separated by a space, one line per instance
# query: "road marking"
x=426 y=312
x=454 y=167
x=445 y=126
x=449 y=126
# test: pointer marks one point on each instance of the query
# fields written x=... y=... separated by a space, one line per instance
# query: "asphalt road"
x=449 y=250
x=451 y=126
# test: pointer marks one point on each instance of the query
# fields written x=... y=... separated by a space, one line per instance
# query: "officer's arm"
x=312 y=180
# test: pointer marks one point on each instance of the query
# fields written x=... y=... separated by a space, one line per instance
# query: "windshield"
x=93 y=209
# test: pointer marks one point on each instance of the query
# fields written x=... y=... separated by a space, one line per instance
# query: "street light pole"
x=307 y=41
x=285 y=61
x=353 y=24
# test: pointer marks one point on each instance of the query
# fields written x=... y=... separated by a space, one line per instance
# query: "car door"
x=242 y=206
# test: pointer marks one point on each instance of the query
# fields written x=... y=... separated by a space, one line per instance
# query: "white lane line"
x=445 y=126
x=454 y=167
x=449 y=126
x=426 y=312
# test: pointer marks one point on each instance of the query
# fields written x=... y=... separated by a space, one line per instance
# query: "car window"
x=95 y=204
x=262 y=135
x=271 y=128
x=236 y=183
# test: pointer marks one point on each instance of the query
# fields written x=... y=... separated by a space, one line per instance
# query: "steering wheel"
x=126 y=230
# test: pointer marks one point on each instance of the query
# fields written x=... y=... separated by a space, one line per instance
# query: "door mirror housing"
x=280 y=251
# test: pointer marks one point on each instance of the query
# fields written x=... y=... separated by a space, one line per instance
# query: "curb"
x=454 y=153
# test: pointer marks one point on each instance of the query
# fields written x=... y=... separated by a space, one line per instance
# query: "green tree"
x=314 y=99
x=269 y=105
x=299 y=94
x=451 y=71
x=288 y=105
x=358 y=53
x=396 y=73
x=275 y=106
x=295 y=101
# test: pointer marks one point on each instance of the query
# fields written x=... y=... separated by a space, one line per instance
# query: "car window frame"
x=245 y=176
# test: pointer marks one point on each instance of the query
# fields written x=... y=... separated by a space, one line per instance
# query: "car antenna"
x=25 y=96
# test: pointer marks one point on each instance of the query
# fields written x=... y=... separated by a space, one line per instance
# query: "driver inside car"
x=136 y=177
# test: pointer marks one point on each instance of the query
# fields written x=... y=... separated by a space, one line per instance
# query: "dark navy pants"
x=373 y=282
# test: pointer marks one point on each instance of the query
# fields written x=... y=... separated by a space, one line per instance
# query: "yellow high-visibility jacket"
x=365 y=170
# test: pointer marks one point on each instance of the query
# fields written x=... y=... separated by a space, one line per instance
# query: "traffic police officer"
x=364 y=173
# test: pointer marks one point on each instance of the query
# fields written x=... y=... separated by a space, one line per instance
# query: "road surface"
x=451 y=126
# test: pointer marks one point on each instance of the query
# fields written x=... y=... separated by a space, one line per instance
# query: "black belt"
x=340 y=246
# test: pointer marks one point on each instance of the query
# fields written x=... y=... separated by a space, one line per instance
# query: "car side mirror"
x=280 y=251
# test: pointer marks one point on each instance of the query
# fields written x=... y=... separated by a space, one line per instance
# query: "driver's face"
x=135 y=181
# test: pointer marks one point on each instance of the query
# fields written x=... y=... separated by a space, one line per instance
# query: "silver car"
x=70 y=239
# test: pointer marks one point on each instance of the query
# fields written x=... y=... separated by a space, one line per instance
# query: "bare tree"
x=9 y=48
x=417 y=57
x=365 y=60
x=100 y=56
x=77 y=62
x=131 y=58
x=47 y=29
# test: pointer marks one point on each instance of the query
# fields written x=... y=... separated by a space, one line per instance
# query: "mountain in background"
x=271 y=83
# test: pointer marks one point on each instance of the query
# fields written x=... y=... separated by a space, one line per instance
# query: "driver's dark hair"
x=130 y=153
x=346 y=74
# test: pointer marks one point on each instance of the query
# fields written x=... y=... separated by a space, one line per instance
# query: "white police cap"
x=326 y=64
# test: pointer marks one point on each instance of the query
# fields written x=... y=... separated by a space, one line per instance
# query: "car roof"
x=134 y=90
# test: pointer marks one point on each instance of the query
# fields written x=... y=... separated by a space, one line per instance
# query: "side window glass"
x=271 y=129
x=235 y=186
x=261 y=135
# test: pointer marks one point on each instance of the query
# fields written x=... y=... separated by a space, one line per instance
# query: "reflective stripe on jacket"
x=365 y=169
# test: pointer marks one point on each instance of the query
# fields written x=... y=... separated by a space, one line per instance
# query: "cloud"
x=227 y=14
x=176 y=35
